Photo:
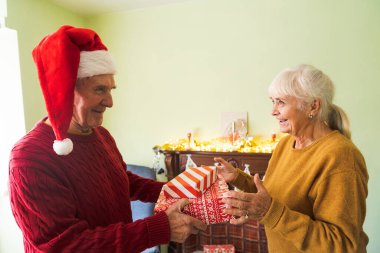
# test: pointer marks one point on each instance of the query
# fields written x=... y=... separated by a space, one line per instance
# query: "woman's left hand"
x=248 y=205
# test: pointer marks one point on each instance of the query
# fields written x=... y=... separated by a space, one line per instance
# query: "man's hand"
x=182 y=225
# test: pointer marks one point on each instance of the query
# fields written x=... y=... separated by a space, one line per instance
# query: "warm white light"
x=12 y=125
x=12 y=128
x=3 y=12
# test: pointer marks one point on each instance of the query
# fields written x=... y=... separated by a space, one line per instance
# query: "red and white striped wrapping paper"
x=207 y=208
x=191 y=183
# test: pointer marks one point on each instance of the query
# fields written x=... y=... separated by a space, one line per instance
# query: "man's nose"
x=107 y=100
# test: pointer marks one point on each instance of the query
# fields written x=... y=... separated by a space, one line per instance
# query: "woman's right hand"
x=226 y=170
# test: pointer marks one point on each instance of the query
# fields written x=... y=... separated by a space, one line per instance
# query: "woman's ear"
x=315 y=106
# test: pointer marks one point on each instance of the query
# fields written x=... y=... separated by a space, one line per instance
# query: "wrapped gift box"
x=222 y=248
x=207 y=208
x=191 y=183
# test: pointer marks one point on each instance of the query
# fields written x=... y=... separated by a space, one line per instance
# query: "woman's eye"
x=278 y=102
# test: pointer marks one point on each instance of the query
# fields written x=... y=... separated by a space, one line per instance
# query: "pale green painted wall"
x=181 y=65
x=33 y=19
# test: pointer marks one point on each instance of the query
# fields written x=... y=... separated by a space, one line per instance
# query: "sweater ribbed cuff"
x=158 y=229
x=243 y=181
x=273 y=215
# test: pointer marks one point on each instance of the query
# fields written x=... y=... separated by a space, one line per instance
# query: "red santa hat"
x=61 y=58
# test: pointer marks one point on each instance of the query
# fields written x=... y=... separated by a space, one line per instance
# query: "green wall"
x=181 y=65
x=33 y=19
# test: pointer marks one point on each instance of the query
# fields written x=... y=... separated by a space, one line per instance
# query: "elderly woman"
x=313 y=198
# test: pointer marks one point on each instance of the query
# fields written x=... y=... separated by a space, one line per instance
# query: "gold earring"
x=311 y=116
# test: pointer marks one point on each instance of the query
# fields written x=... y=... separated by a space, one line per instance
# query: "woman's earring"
x=311 y=116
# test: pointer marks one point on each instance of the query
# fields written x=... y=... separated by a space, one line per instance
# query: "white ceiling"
x=94 y=7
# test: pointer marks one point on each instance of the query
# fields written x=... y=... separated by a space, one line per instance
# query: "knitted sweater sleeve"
x=338 y=208
x=144 y=189
x=50 y=222
x=244 y=182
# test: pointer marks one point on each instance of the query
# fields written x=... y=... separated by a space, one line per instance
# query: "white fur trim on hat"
x=94 y=63
x=63 y=147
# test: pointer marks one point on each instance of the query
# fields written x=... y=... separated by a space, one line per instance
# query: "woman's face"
x=291 y=118
x=92 y=97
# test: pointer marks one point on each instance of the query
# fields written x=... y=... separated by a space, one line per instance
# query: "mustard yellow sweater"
x=319 y=197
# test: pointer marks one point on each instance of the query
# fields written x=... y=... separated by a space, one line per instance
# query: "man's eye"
x=99 y=90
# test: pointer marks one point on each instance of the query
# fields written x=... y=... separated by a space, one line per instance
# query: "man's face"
x=91 y=98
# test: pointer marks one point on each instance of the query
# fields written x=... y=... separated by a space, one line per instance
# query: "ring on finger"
x=246 y=214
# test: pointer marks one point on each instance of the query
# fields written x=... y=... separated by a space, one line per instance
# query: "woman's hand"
x=248 y=205
x=226 y=170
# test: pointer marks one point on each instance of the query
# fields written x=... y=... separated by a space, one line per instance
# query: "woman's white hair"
x=306 y=83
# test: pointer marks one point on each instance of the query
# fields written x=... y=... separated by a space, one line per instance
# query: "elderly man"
x=70 y=188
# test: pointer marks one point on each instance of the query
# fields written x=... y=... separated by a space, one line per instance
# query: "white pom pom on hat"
x=61 y=58
x=63 y=147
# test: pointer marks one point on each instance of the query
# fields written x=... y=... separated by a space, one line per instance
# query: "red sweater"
x=80 y=202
